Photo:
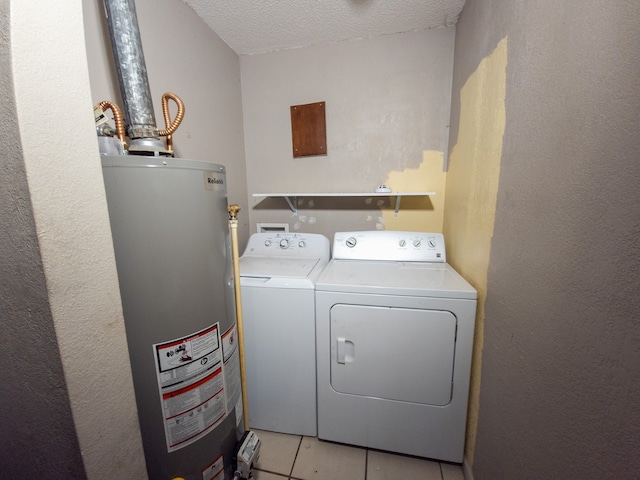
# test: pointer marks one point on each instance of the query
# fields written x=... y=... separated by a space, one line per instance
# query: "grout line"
x=441 y=472
x=277 y=474
x=366 y=463
x=295 y=458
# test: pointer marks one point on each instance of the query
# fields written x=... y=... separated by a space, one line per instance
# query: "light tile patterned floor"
x=293 y=457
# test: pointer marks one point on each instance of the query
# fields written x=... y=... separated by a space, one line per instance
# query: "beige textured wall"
x=387 y=112
x=35 y=402
x=54 y=115
x=560 y=373
x=472 y=186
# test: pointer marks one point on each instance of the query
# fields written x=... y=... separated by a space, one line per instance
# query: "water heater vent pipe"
x=131 y=69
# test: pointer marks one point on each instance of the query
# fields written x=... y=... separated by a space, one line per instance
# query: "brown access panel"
x=309 y=129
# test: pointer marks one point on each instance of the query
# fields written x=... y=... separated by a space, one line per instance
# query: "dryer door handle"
x=345 y=351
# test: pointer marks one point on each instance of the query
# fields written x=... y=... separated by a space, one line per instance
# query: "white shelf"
x=294 y=204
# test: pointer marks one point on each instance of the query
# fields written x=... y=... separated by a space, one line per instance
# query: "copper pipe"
x=117 y=117
x=171 y=126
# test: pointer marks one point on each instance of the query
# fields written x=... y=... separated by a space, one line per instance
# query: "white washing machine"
x=394 y=332
x=277 y=282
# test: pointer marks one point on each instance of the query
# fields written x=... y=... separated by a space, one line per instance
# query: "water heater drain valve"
x=247 y=456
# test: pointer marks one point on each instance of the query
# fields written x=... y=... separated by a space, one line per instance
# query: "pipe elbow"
x=171 y=126
x=117 y=118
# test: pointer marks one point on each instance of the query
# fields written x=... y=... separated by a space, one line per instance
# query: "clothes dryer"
x=394 y=332
x=277 y=282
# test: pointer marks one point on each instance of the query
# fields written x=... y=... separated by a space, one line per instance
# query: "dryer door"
x=393 y=353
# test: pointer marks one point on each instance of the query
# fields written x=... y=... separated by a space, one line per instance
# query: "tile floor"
x=294 y=457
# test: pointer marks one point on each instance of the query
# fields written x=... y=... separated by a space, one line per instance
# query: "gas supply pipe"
x=233 y=226
x=171 y=126
x=117 y=118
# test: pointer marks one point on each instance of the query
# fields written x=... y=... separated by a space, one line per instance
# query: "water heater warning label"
x=191 y=382
x=215 y=471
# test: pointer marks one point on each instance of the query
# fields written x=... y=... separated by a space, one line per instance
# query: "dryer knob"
x=351 y=242
x=284 y=243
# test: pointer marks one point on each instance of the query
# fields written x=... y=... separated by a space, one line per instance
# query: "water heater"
x=171 y=239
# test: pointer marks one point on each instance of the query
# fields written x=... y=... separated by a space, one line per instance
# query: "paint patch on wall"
x=472 y=187
x=418 y=214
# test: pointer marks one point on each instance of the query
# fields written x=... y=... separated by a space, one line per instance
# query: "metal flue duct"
x=132 y=76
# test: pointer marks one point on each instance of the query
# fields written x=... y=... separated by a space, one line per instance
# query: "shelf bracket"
x=293 y=205
x=398 y=197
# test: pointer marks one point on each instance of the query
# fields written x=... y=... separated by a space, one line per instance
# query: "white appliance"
x=277 y=281
x=394 y=332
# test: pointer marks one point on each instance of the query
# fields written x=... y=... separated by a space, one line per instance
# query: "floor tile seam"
x=295 y=457
x=272 y=472
x=366 y=463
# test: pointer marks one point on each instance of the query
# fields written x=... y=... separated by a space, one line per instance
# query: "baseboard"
x=466 y=470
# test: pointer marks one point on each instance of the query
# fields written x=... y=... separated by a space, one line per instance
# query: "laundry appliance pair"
x=392 y=344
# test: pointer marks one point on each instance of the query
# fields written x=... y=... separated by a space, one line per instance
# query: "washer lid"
x=394 y=278
x=278 y=267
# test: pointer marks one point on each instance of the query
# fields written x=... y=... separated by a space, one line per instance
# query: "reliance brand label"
x=213 y=181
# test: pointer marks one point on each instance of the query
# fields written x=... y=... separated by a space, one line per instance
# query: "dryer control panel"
x=386 y=245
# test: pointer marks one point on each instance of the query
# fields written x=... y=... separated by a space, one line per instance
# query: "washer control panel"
x=390 y=246
x=288 y=245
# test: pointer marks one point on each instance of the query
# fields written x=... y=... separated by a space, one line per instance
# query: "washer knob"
x=301 y=244
x=284 y=243
x=432 y=243
x=417 y=243
x=351 y=242
x=402 y=242
x=267 y=243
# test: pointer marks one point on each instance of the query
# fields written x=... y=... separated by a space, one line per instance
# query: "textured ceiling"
x=258 y=26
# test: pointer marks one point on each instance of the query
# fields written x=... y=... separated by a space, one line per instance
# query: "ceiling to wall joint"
x=255 y=26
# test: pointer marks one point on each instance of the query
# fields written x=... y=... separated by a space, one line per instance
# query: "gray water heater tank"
x=171 y=239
